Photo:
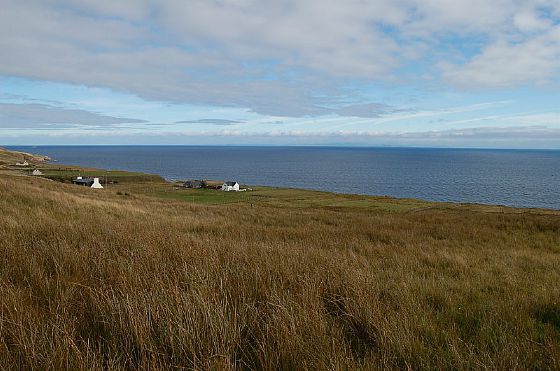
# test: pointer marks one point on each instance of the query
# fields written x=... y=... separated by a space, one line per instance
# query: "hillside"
x=141 y=275
x=12 y=157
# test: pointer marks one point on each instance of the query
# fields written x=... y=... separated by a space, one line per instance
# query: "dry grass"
x=11 y=157
x=94 y=280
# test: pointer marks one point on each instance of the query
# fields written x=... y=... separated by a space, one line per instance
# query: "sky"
x=424 y=73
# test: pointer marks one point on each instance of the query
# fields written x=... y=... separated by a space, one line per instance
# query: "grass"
x=66 y=174
x=287 y=197
x=12 y=157
x=163 y=279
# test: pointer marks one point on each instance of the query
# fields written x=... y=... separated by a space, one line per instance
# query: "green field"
x=286 y=197
x=66 y=174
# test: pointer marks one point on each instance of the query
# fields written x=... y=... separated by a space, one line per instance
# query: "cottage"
x=37 y=172
x=88 y=182
x=24 y=163
x=96 y=184
x=230 y=186
x=195 y=184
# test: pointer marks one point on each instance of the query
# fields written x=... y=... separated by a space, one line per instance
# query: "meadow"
x=146 y=276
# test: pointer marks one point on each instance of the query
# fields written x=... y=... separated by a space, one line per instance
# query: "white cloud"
x=528 y=21
x=479 y=137
x=40 y=116
x=544 y=119
x=276 y=57
x=222 y=122
x=505 y=64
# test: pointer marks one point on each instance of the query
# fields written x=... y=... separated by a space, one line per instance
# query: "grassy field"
x=66 y=174
x=141 y=275
x=283 y=197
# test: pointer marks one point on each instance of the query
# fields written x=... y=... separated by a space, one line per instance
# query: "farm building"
x=24 y=163
x=88 y=182
x=96 y=183
x=230 y=186
x=37 y=172
x=196 y=184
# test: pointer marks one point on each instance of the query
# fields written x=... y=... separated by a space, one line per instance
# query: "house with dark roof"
x=87 y=182
x=195 y=184
x=230 y=186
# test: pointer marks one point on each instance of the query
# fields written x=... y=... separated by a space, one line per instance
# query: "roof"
x=196 y=183
x=231 y=184
x=86 y=181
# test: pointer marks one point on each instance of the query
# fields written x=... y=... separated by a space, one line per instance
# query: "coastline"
x=155 y=185
x=512 y=178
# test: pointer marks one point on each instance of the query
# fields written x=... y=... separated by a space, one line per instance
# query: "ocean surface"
x=521 y=178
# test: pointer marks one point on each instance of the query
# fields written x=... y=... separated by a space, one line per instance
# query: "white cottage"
x=230 y=186
x=37 y=172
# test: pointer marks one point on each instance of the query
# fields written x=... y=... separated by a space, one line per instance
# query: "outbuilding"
x=96 y=184
x=230 y=186
x=87 y=182
x=195 y=184
x=37 y=172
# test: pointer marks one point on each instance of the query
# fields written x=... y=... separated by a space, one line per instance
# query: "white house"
x=96 y=183
x=24 y=163
x=230 y=186
x=37 y=172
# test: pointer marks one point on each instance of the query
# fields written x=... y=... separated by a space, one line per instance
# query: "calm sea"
x=522 y=178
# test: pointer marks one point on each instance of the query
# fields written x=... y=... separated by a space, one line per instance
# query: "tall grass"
x=93 y=280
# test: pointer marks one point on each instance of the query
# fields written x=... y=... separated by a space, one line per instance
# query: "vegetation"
x=66 y=174
x=12 y=157
x=139 y=276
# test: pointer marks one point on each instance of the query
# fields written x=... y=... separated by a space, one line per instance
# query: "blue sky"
x=443 y=73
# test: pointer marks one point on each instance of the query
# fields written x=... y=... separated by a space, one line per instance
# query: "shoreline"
x=64 y=173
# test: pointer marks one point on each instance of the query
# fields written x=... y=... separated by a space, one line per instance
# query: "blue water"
x=521 y=178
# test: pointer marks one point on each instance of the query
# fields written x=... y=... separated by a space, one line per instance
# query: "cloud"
x=369 y=110
x=525 y=51
x=279 y=57
x=504 y=65
x=489 y=134
x=478 y=137
x=40 y=116
x=211 y=122
x=543 y=119
x=394 y=115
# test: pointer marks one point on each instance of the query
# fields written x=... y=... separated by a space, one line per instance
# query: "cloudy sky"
x=462 y=73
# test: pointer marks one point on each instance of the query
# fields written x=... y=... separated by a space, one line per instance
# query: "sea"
x=520 y=178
